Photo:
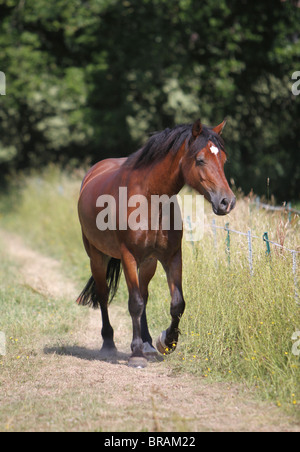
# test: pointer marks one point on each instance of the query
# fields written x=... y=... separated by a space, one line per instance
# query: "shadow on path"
x=114 y=357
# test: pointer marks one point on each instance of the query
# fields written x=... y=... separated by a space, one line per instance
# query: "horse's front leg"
x=136 y=308
x=167 y=341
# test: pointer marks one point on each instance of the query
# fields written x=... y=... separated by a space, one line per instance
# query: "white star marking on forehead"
x=214 y=150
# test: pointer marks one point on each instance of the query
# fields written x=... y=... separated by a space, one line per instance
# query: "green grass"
x=296 y=205
x=29 y=320
x=235 y=328
x=42 y=208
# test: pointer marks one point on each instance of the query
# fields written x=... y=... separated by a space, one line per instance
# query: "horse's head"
x=203 y=167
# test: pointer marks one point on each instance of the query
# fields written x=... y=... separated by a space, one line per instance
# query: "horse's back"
x=103 y=168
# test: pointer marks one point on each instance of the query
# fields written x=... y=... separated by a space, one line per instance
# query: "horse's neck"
x=165 y=178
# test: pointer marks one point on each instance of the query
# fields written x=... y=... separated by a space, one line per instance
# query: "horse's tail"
x=89 y=296
x=113 y=275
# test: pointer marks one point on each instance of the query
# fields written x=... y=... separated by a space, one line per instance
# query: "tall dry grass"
x=236 y=327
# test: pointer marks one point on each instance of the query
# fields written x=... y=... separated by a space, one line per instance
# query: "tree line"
x=87 y=80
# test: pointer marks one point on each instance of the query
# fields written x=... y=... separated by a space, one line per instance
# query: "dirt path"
x=121 y=398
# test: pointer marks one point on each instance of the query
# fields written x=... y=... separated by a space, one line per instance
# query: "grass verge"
x=235 y=328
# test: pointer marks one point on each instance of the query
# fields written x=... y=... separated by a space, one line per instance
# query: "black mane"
x=161 y=143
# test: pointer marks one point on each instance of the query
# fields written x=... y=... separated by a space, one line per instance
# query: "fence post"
x=227 y=241
x=266 y=240
x=188 y=219
x=257 y=202
x=289 y=211
x=294 y=254
x=250 y=253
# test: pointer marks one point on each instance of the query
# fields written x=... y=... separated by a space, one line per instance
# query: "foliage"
x=90 y=79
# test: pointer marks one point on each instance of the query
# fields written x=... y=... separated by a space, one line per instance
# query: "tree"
x=90 y=79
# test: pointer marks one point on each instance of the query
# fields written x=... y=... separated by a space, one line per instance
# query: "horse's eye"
x=200 y=161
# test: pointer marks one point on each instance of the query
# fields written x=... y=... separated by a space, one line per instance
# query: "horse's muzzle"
x=224 y=205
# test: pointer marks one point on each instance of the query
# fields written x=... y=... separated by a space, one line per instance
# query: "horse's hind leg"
x=99 y=263
x=136 y=308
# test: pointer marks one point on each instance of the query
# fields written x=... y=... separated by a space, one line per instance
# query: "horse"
x=192 y=154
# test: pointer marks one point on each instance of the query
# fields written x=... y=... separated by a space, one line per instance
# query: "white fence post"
x=294 y=254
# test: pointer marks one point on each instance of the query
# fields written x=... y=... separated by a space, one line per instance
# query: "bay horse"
x=192 y=154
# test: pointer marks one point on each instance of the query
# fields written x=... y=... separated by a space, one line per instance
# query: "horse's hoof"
x=138 y=362
x=151 y=353
x=108 y=352
x=161 y=344
x=149 y=350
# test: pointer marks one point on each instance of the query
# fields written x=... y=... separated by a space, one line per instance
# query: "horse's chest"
x=161 y=243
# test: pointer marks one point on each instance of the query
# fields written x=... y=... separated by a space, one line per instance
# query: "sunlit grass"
x=236 y=327
x=29 y=319
x=43 y=209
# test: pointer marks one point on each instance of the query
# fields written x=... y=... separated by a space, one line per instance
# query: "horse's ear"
x=219 y=129
x=197 y=128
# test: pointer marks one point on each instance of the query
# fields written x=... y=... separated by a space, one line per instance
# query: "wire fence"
x=286 y=208
x=294 y=253
x=250 y=236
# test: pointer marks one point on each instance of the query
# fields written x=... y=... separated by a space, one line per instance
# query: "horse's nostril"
x=224 y=203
